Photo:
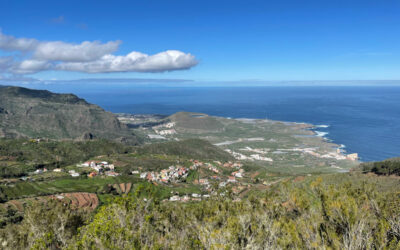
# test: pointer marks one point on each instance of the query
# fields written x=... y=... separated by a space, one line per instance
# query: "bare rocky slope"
x=43 y=114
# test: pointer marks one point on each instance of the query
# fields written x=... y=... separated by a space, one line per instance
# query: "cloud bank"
x=89 y=56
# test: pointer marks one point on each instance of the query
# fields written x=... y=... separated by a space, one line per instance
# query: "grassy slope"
x=17 y=157
x=196 y=121
x=191 y=148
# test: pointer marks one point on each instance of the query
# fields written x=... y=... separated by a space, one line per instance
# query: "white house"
x=175 y=198
x=85 y=164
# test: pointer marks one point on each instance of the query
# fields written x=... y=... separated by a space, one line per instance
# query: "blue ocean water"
x=366 y=119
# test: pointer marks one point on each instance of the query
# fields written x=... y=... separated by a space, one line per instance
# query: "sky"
x=217 y=40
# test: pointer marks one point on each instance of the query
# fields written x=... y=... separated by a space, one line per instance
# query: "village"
x=176 y=174
x=172 y=174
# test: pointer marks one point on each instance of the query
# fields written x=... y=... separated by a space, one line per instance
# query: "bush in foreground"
x=311 y=215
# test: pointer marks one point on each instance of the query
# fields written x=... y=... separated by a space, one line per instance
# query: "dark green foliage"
x=8 y=215
x=311 y=216
x=387 y=167
x=49 y=225
x=3 y=196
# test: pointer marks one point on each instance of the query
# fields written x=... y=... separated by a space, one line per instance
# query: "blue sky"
x=215 y=40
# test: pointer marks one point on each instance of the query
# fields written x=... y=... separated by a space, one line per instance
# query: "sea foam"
x=322 y=126
x=320 y=134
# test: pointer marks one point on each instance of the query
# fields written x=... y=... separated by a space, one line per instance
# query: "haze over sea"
x=366 y=119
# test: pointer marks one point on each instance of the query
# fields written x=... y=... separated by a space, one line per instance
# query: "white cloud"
x=31 y=66
x=57 y=50
x=84 y=52
x=89 y=57
x=9 y=65
x=10 y=43
x=134 y=61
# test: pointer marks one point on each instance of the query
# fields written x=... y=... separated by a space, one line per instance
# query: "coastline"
x=326 y=149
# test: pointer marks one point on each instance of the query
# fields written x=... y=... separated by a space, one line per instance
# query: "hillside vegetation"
x=307 y=215
x=18 y=157
x=190 y=148
x=196 y=121
x=42 y=114
x=336 y=211
x=386 y=167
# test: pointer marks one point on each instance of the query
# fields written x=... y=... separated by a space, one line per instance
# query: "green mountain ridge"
x=42 y=114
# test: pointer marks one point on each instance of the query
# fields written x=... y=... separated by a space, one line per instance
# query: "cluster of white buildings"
x=178 y=173
x=337 y=155
x=256 y=150
x=252 y=157
x=211 y=167
x=171 y=174
x=165 y=125
x=239 y=173
x=44 y=170
x=260 y=154
x=99 y=166
x=165 y=132
x=165 y=129
x=192 y=197
x=73 y=173
x=40 y=171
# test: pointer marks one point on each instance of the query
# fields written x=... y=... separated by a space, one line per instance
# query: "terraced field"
x=80 y=200
x=122 y=188
x=63 y=185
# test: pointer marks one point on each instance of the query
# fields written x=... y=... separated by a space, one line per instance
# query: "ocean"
x=365 y=119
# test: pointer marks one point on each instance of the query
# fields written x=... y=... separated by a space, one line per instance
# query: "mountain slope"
x=40 y=113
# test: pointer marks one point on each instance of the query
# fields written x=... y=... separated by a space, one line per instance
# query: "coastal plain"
x=283 y=148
